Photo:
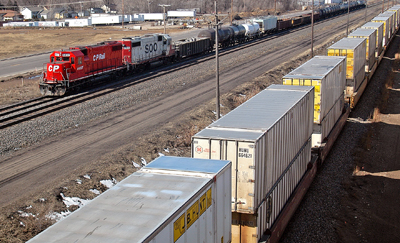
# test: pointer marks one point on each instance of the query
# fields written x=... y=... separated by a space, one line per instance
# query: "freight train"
x=76 y=66
x=252 y=166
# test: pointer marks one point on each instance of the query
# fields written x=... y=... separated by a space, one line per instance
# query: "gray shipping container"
x=251 y=227
x=328 y=75
x=386 y=24
x=370 y=36
x=172 y=200
x=379 y=35
x=355 y=51
x=261 y=137
x=392 y=21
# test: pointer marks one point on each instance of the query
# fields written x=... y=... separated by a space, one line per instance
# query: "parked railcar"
x=189 y=47
x=171 y=200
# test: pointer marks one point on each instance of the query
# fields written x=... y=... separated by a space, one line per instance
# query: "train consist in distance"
x=274 y=143
x=79 y=65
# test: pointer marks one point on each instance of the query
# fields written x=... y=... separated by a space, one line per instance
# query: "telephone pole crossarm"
x=164 y=16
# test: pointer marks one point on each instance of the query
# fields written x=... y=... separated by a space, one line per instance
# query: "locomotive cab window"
x=59 y=59
x=160 y=38
x=65 y=59
x=51 y=59
x=135 y=44
x=72 y=60
x=79 y=60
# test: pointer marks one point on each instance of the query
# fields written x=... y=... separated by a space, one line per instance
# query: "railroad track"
x=28 y=110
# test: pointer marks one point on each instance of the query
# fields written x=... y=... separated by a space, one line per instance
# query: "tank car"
x=252 y=30
x=224 y=36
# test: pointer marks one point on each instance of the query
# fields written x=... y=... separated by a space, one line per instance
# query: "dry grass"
x=13 y=91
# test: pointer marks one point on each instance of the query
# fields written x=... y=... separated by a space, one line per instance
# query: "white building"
x=31 y=12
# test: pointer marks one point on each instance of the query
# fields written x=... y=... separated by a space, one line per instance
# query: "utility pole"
x=231 y=11
x=366 y=7
x=312 y=29
x=216 y=24
x=123 y=15
x=275 y=7
x=348 y=16
x=217 y=61
x=164 y=16
x=148 y=4
x=383 y=5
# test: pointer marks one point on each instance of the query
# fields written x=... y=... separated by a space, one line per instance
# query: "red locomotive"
x=73 y=67
x=68 y=68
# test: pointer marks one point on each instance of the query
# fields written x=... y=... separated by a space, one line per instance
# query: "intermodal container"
x=392 y=21
x=249 y=228
x=385 y=21
x=261 y=137
x=355 y=51
x=396 y=10
x=328 y=75
x=370 y=37
x=379 y=35
x=267 y=24
x=172 y=200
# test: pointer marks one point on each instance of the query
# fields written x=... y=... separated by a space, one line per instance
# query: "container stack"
x=268 y=140
x=355 y=51
x=328 y=76
x=173 y=199
x=392 y=21
x=385 y=21
x=370 y=37
x=379 y=35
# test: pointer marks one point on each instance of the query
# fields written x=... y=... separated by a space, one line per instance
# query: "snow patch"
x=70 y=201
x=57 y=216
x=144 y=162
x=136 y=165
x=109 y=183
x=95 y=191
x=87 y=176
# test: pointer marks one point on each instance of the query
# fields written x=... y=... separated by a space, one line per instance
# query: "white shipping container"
x=355 y=51
x=396 y=10
x=137 y=18
x=261 y=137
x=78 y=22
x=181 y=14
x=152 y=16
x=379 y=35
x=172 y=200
x=385 y=21
x=391 y=16
x=266 y=24
x=112 y=19
x=370 y=37
x=251 y=227
x=48 y=23
x=327 y=74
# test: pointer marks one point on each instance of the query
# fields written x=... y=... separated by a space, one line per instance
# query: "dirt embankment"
x=370 y=207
